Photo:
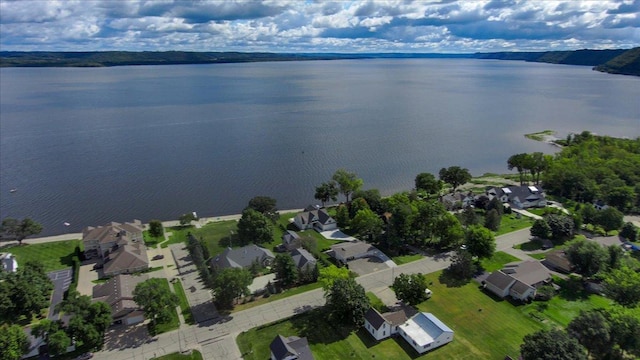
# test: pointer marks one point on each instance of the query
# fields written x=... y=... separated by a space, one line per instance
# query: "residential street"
x=216 y=339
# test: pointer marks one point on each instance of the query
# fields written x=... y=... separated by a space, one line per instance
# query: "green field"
x=485 y=327
x=195 y=355
x=497 y=261
x=184 y=303
x=53 y=255
x=510 y=223
x=403 y=259
x=284 y=294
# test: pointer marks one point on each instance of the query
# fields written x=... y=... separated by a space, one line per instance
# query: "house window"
x=384 y=333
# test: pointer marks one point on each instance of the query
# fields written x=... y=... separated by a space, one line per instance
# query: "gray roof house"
x=558 y=260
x=518 y=280
x=346 y=251
x=117 y=292
x=243 y=257
x=99 y=241
x=303 y=259
x=315 y=218
x=290 y=240
x=126 y=258
x=290 y=348
x=519 y=197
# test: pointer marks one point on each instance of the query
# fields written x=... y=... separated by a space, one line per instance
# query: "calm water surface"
x=88 y=146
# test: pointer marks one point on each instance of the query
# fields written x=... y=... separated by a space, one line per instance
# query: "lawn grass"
x=184 y=303
x=497 y=261
x=53 y=255
x=403 y=259
x=286 y=293
x=178 y=235
x=172 y=324
x=376 y=303
x=151 y=241
x=195 y=355
x=538 y=256
x=510 y=223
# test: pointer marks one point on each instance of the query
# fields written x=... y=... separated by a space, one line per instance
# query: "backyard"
x=52 y=255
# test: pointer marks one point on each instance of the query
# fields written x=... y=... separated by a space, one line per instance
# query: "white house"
x=425 y=332
x=518 y=280
x=314 y=218
x=381 y=326
x=8 y=262
x=519 y=197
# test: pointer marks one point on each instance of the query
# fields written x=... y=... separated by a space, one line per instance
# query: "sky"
x=318 y=26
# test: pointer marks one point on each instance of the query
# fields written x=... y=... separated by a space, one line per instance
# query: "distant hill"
x=627 y=63
x=576 y=57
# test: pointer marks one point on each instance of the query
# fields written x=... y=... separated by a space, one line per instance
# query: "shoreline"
x=166 y=224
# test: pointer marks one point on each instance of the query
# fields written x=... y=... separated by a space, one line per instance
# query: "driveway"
x=86 y=276
x=261 y=282
x=198 y=295
x=367 y=265
x=337 y=235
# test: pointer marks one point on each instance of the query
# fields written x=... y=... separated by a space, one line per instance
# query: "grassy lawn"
x=54 y=255
x=403 y=259
x=184 y=303
x=195 y=355
x=376 y=303
x=151 y=241
x=497 y=261
x=289 y=292
x=178 y=235
x=510 y=223
x=172 y=324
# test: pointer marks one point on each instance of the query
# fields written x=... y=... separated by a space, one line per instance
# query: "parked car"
x=158 y=257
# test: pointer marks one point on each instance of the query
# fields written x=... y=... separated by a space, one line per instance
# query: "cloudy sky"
x=318 y=26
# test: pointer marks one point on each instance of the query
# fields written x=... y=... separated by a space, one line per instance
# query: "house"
x=346 y=251
x=290 y=348
x=303 y=259
x=290 y=240
x=8 y=262
x=519 y=197
x=558 y=260
x=600 y=205
x=457 y=200
x=126 y=258
x=425 y=332
x=117 y=292
x=519 y=280
x=99 y=241
x=381 y=326
x=243 y=257
x=315 y=218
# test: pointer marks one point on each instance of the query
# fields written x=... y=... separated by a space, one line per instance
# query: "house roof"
x=558 y=259
x=311 y=215
x=283 y=347
x=117 y=292
x=302 y=258
x=520 y=287
x=397 y=317
x=111 y=232
x=529 y=272
x=500 y=280
x=424 y=328
x=128 y=256
x=350 y=249
x=373 y=317
x=242 y=257
x=289 y=236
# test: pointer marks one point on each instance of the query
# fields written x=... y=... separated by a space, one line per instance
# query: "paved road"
x=216 y=338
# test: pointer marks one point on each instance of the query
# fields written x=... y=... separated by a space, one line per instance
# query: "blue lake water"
x=88 y=146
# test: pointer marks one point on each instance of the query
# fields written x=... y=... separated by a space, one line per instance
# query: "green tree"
x=492 y=220
x=561 y=226
x=588 y=213
x=469 y=216
x=455 y=176
x=157 y=301
x=448 y=230
x=623 y=286
x=410 y=289
x=53 y=334
x=621 y=197
x=518 y=162
x=480 y=241
x=367 y=224
x=625 y=330
x=428 y=183
x=372 y=197
x=229 y=285
x=552 y=344
x=28 y=291
x=356 y=205
x=540 y=229
x=20 y=229
x=285 y=269
x=629 y=231
x=462 y=265
x=348 y=182
x=326 y=191
x=342 y=216
x=588 y=257
x=155 y=228
x=266 y=206
x=496 y=204
x=13 y=342
x=593 y=331
x=254 y=227
x=328 y=275
x=89 y=320
x=347 y=301
x=609 y=218
x=186 y=219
